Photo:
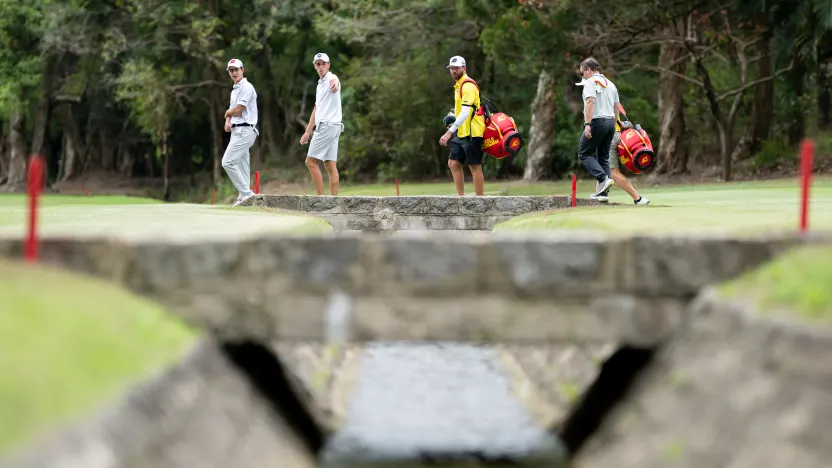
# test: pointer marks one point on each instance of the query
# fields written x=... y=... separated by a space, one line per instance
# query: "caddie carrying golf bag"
x=501 y=138
x=635 y=150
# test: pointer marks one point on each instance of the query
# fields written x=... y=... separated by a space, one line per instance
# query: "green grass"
x=154 y=219
x=68 y=349
x=560 y=187
x=799 y=281
x=51 y=199
x=744 y=207
x=14 y=207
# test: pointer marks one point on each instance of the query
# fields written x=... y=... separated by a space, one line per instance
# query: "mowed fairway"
x=136 y=218
x=743 y=207
x=70 y=344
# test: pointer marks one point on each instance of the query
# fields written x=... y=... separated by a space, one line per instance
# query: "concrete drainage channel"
x=248 y=397
x=455 y=404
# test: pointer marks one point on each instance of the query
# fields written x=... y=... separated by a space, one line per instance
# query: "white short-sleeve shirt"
x=327 y=103
x=605 y=94
x=244 y=93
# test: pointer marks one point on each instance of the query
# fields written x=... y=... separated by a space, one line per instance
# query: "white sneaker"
x=600 y=198
x=243 y=199
x=643 y=201
x=605 y=187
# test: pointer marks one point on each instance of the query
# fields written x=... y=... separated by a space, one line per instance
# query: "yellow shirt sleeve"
x=469 y=94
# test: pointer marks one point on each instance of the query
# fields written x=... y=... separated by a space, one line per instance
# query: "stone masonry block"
x=403 y=205
x=442 y=205
x=676 y=265
x=168 y=266
x=362 y=222
x=550 y=203
x=320 y=204
x=283 y=202
x=458 y=223
x=512 y=205
x=736 y=387
x=359 y=204
x=199 y=412
x=476 y=205
x=549 y=265
x=800 y=351
x=319 y=261
x=419 y=263
x=640 y=321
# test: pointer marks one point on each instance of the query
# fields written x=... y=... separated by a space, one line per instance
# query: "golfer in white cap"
x=241 y=121
x=327 y=123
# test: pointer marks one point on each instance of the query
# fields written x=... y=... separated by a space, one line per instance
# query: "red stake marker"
x=257 y=182
x=574 y=189
x=213 y=195
x=807 y=152
x=397 y=187
x=35 y=181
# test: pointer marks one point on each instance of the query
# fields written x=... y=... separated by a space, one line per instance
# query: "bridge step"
x=446 y=404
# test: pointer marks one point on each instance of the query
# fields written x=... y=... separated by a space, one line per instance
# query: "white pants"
x=237 y=160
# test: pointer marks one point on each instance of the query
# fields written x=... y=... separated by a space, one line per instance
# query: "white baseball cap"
x=456 y=61
x=320 y=56
x=234 y=63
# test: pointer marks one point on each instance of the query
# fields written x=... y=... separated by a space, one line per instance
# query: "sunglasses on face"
x=232 y=70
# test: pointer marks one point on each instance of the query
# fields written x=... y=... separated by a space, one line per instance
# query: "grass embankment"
x=799 y=281
x=69 y=343
x=744 y=207
x=119 y=215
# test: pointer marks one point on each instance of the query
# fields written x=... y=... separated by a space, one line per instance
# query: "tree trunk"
x=725 y=149
x=43 y=114
x=542 y=131
x=73 y=145
x=4 y=157
x=763 y=111
x=269 y=119
x=797 y=129
x=124 y=155
x=165 y=169
x=93 y=153
x=16 y=180
x=824 y=97
x=218 y=145
x=672 y=151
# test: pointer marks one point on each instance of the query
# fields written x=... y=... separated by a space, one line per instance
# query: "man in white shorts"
x=326 y=121
x=241 y=121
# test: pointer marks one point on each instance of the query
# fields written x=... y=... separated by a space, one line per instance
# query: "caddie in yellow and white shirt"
x=467 y=130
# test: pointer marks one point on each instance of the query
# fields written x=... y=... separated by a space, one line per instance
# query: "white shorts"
x=324 y=144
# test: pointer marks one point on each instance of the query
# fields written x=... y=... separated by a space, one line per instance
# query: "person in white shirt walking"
x=600 y=114
x=241 y=121
x=326 y=120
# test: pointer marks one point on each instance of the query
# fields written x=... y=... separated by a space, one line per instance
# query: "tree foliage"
x=104 y=84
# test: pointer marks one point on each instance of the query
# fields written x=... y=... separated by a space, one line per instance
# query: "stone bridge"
x=440 y=212
x=666 y=391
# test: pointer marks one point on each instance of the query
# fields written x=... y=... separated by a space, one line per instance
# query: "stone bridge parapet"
x=421 y=212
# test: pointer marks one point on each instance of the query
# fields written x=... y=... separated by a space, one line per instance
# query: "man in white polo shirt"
x=600 y=114
x=326 y=121
x=241 y=121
